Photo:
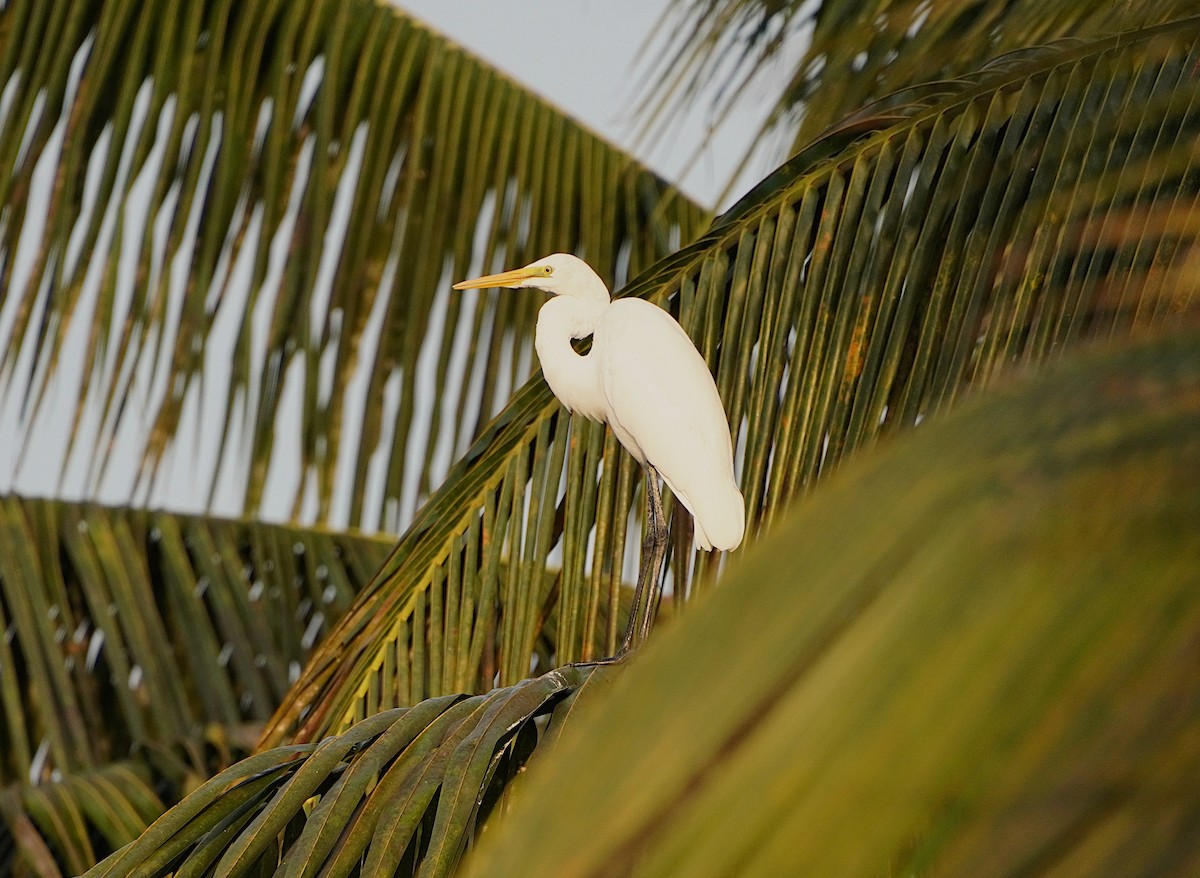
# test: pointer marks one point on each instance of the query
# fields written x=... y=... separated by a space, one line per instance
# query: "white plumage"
x=645 y=378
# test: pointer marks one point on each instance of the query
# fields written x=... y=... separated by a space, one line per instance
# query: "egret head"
x=560 y=274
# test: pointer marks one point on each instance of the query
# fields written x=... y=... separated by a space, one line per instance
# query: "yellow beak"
x=503 y=279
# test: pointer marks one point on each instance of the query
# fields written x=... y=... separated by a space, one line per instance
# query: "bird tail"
x=724 y=525
x=718 y=514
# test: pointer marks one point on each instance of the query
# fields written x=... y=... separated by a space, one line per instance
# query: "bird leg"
x=648 y=591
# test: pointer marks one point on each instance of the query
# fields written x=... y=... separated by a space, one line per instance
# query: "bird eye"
x=547 y=270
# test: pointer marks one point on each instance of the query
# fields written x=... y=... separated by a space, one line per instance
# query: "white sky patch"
x=220 y=352
x=33 y=228
x=504 y=367
x=8 y=95
x=524 y=356
x=310 y=502
x=284 y=478
x=157 y=491
x=390 y=178
x=133 y=236
x=354 y=397
x=473 y=392
x=335 y=234
x=35 y=116
x=456 y=367
x=262 y=125
x=426 y=376
x=12 y=402
x=91 y=190
x=278 y=253
x=159 y=234
x=51 y=445
x=225 y=258
x=313 y=77
x=378 y=515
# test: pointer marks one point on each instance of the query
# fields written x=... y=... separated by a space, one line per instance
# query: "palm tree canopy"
x=227 y=233
x=226 y=236
x=936 y=238
x=835 y=56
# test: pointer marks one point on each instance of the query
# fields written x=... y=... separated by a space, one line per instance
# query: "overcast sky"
x=585 y=56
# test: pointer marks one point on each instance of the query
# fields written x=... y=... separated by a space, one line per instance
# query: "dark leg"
x=647 y=592
x=654 y=547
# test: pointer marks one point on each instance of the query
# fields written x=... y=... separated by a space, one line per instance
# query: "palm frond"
x=973 y=653
x=226 y=239
x=839 y=55
x=904 y=259
x=144 y=649
x=400 y=793
x=128 y=629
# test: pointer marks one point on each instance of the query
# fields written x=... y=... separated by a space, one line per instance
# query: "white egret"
x=646 y=380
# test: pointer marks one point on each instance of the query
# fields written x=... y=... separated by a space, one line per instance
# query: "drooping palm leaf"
x=227 y=235
x=851 y=52
x=400 y=793
x=1047 y=199
x=129 y=629
x=974 y=654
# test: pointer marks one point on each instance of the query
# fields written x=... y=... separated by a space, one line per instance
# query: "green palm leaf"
x=142 y=652
x=131 y=629
x=856 y=52
x=228 y=234
x=973 y=653
x=905 y=258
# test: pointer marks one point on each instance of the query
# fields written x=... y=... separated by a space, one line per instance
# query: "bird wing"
x=665 y=408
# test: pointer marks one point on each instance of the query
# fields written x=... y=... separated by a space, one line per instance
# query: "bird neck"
x=572 y=377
